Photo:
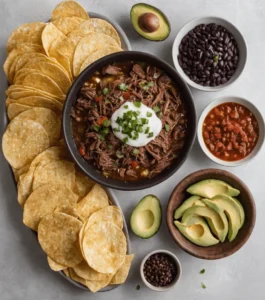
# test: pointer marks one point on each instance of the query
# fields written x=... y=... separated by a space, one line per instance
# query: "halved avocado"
x=215 y=217
x=211 y=187
x=230 y=207
x=146 y=217
x=150 y=22
x=193 y=200
x=197 y=231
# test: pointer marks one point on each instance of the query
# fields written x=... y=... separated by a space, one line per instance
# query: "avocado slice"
x=241 y=210
x=150 y=22
x=197 y=231
x=146 y=217
x=211 y=187
x=193 y=200
x=229 y=206
x=215 y=217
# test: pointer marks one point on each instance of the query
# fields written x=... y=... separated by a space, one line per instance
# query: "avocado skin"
x=159 y=12
x=145 y=198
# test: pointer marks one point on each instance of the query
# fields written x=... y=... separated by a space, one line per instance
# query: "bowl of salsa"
x=231 y=131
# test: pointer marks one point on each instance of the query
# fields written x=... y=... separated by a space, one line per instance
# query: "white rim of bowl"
x=165 y=288
x=253 y=109
x=175 y=52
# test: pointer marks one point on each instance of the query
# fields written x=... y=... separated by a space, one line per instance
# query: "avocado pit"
x=149 y=22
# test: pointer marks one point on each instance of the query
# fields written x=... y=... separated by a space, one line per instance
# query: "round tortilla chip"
x=36 y=101
x=55 y=266
x=99 y=26
x=83 y=270
x=110 y=214
x=14 y=109
x=44 y=200
x=42 y=82
x=82 y=185
x=50 y=34
x=47 y=118
x=69 y=9
x=58 y=237
x=67 y=24
x=96 y=199
x=121 y=275
x=88 y=45
x=59 y=171
x=47 y=156
x=20 y=172
x=104 y=246
x=22 y=141
x=97 y=55
x=57 y=74
x=26 y=33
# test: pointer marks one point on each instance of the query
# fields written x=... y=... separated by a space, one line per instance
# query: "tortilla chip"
x=55 y=266
x=69 y=9
x=15 y=109
x=66 y=272
x=95 y=286
x=82 y=185
x=67 y=24
x=88 y=45
x=58 y=237
x=96 y=199
x=97 y=55
x=47 y=118
x=85 y=271
x=99 y=26
x=44 y=200
x=59 y=171
x=20 y=172
x=122 y=274
x=75 y=277
x=22 y=141
x=26 y=33
x=104 y=246
x=49 y=35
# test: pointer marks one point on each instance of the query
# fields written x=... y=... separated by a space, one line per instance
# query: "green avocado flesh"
x=213 y=202
x=163 y=30
x=146 y=217
x=212 y=187
x=197 y=231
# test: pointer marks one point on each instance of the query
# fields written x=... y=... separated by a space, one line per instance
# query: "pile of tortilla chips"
x=78 y=229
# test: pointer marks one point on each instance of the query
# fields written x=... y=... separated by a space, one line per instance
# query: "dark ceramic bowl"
x=72 y=97
x=220 y=250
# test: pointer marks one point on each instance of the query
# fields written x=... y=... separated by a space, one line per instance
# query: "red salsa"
x=230 y=131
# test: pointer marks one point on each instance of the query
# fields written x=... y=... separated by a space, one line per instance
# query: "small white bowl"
x=176 y=279
x=256 y=113
x=241 y=43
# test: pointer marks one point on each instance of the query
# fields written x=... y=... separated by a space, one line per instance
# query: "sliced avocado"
x=150 y=22
x=197 y=231
x=146 y=217
x=229 y=206
x=214 y=216
x=193 y=200
x=241 y=209
x=211 y=187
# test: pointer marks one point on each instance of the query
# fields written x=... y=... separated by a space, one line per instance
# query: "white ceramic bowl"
x=256 y=113
x=165 y=288
x=232 y=29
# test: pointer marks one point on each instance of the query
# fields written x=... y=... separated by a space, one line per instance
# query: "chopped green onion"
x=106 y=123
x=144 y=121
x=202 y=271
x=137 y=103
x=126 y=106
x=156 y=109
x=203 y=285
x=104 y=131
x=149 y=114
x=105 y=91
x=96 y=128
x=146 y=87
x=110 y=146
x=121 y=98
x=119 y=154
x=101 y=137
x=123 y=87
x=116 y=129
x=138 y=113
x=151 y=134
x=167 y=127
x=126 y=140
x=135 y=151
x=147 y=130
x=151 y=83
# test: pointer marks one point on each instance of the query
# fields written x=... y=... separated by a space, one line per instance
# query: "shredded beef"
x=111 y=70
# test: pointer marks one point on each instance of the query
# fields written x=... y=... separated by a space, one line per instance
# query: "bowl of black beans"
x=160 y=270
x=209 y=53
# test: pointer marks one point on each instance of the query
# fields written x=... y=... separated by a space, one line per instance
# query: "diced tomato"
x=126 y=95
x=99 y=98
x=218 y=135
x=134 y=164
x=82 y=150
x=101 y=120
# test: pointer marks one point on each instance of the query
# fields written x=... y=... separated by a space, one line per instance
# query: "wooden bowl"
x=220 y=250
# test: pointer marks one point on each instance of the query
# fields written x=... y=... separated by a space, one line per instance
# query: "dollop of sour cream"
x=135 y=124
